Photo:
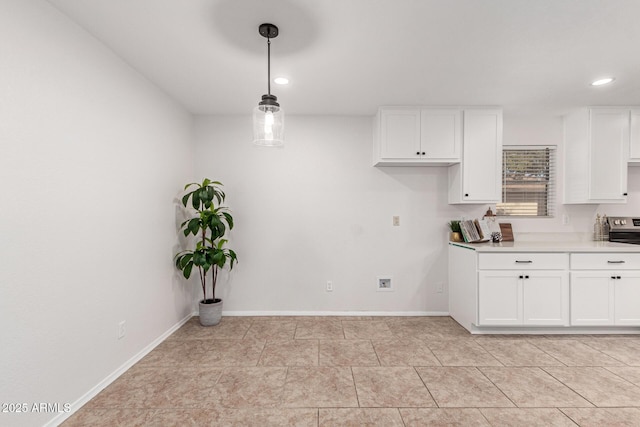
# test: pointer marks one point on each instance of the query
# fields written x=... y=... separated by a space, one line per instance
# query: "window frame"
x=551 y=179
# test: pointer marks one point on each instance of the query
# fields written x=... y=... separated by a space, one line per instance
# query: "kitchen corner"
x=545 y=283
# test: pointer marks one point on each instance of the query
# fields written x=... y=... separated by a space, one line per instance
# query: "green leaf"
x=233 y=259
x=206 y=182
x=186 y=271
x=206 y=195
x=185 y=199
x=186 y=258
x=199 y=258
x=220 y=196
x=195 y=199
x=219 y=259
x=229 y=219
x=194 y=226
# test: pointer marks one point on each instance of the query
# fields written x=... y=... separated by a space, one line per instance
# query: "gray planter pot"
x=210 y=314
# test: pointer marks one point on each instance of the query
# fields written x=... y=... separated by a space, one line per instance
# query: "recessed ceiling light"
x=601 y=82
x=281 y=81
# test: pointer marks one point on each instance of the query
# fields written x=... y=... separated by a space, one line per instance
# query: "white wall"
x=91 y=159
x=317 y=210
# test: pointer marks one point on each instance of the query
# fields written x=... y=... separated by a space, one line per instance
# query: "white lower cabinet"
x=499 y=298
x=506 y=291
x=627 y=299
x=592 y=298
x=545 y=298
x=517 y=298
x=605 y=297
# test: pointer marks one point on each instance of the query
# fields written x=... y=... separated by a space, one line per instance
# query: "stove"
x=624 y=230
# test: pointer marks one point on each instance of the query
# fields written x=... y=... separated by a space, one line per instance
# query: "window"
x=528 y=181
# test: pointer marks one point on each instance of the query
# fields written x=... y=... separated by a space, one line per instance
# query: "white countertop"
x=550 y=246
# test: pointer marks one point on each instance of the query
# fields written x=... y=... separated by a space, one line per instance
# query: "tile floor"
x=356 y=371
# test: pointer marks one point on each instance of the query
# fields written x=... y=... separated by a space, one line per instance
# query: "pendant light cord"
x=268 y=65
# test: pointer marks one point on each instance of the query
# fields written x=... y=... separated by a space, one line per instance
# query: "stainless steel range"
x=624 y=230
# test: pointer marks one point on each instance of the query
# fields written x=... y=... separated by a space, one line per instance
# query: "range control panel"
x=624 y=223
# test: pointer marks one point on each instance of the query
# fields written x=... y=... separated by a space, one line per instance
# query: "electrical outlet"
x=329 y=286
x=396 y=221
x=122 y=329
x=384 y=283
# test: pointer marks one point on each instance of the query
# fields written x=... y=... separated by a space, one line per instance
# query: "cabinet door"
x=440 y=134
x=545 y=297
x=499 y=298
x=627 y=298
x=609 y=133
x=400 y=134
x=592 y=298
x=634 y=137
x=482 y=156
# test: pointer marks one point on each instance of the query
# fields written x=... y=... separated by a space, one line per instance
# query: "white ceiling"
x=351 y=56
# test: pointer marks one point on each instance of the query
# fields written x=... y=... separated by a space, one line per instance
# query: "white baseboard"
x=56 y=421
x=333 y=313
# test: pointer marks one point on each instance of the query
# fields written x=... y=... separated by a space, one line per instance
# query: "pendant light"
x=268 y=117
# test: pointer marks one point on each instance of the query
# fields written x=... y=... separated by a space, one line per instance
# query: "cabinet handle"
x=526 y=277
x=466 y=194
x=624 y=194
x=417 y=153
x=615 y=262
x=520 y=277
x=618 y=277
x=423 y=153
x=524 y=262
x=613 y=277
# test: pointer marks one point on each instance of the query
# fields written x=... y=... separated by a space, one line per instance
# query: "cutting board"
x=506 y=231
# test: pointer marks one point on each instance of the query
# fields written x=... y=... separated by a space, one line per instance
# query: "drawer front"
x=523 y=261
x=605 y=261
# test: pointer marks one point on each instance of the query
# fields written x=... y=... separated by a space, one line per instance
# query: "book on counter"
x=471 y=232
x=483 y=226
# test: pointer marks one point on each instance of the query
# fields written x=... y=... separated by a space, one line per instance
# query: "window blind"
x=528 y=181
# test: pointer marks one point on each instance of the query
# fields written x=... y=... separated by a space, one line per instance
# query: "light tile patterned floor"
x=373 y=371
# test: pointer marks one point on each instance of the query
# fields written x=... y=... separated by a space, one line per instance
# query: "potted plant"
x=209 y=224
x=456 y=232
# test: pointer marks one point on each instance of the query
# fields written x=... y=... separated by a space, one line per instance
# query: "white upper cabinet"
x=468 y=140
x=417 y=136
x=596 y=143
x=399 y=137
x=634 y=137
x=478 y=177
x=440 y=135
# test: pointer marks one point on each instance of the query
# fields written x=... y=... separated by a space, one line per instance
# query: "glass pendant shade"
x=268 y=125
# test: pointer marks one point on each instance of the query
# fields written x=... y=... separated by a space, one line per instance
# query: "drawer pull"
x=612 y=262
x=526 y=262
